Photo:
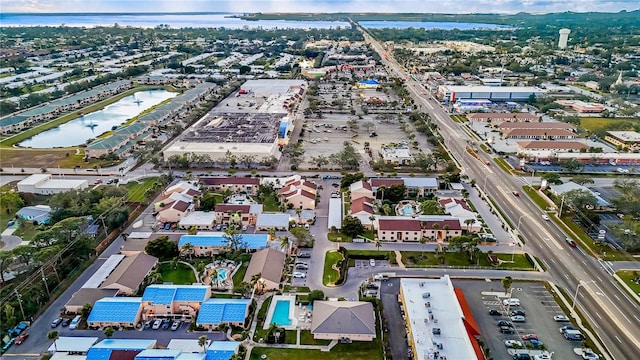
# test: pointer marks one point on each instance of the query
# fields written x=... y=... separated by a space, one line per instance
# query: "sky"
x=390 y=6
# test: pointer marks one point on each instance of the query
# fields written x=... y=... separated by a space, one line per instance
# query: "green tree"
x=86 y=310
x=552 y=178
x=208 y=201
x=6 y=259
x=351 y=226
x=431 y=207
x=162 y=248
x=315 y=295
x=108 y=332
x=202 y=341
x=53 y=336
x=506 y=283
x=234 y=237
x=582 y=179
x=10 y=201
x=581 y=199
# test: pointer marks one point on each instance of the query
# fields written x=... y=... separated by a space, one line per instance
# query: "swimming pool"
x=281 y=313
x=407 y=210
x=222 y=274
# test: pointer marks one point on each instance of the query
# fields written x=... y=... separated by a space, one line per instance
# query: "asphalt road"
x=600 y=297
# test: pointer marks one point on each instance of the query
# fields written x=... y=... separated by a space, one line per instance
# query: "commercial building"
x=537 y=130
x=44 y=184
x=547 y=145
x=439 y=322
x=256 y=131
x=563 y=39
x=452 y=93
x=581 y=106
x=502 y=117
x=337 y=320
x=629 y=140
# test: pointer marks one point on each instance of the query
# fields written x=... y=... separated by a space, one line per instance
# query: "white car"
x=545 y=217
x=372 y=262
x=299 y=275
x=513 y=344
x=542 y=357
x=518 y=318
x=589 y=355
x=511 y=302
x=156 y=324
x=560 y=318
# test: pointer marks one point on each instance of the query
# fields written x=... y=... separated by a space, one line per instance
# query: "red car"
x=530 y=337
x=21 y=338
x=515 y=193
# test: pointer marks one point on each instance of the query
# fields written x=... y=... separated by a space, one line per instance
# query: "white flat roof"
x=275 y=220
x=186 y=345
x=335 y=213
x=103 y=272
x=198 y=218
x=140 y=235
x=33 y=179
x=432 y=303
x=73 y=343
x=62 y=184
x=477 y=88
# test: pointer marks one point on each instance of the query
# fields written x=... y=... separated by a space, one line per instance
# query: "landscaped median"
x=332 y=265
x=456 y=259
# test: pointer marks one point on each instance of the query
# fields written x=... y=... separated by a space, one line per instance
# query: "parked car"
x=513 y=344
x=560 y=318
x=175 y=325
x=56 y=322
x=381 y=277
x=521 y=356
x=147 y=324
x=518 y=318
x=244 y=227
x=21 y=338
x=219 y=227
x=66 y=322
x=302 y=267
x=298 y=274
x=304 y=255
x=518 y=312
x=511 y=302
x=372 y=262
x=156 y=324
x=507 y=330
x=542 y=357
x=535 y=343
x=589 y=355
x=301 y=263
x=529 y=337
x=372 y=286
x=505 y=323
x=370 y=293
x=565 y=328
x=166 y=324
x=494 y=312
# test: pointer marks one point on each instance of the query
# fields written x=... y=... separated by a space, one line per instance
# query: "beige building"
x=629 y=140
x=175 y=212
x=360 y=189
x=269 y=263
x=336 y=320
x=233 y=184
x=403 y=229
x=160 y=300
x=129 y=274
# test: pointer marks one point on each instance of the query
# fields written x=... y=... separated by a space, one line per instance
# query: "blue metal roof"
x=159 y=294
x=103 y=349
x=191 y=293
x=249 y=241
x=115 y=309
x=222 y=350
x=216 y=311
x=191 y=356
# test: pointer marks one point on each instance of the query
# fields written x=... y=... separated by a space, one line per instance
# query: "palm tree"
x=285 y=244
x=53 y=335
x=298 y=213
x=202 y=341
x=187 y=248
x=372 y=219
x=214 y=277
x=272 y=233
x=381 y=188
x=506 y=283
x=378 y=244
x=468 y=222
x=423 y=241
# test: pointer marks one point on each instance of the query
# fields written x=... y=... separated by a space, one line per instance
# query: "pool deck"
x=300 y=316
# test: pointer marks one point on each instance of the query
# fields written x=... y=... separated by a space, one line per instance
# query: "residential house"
x=38 y=214
x=233 y=184
x=269 y=264
x=175 y=211
x=337 y=320
x=383 y=183
x=420 y=186
x=360 y=189
x=199 y=220
x=185 y=188
x=362 y=206
x=119 y=349
x=300 y=194
x=214 y=312
x=130 y=273
x=278 y=221
x=433 y=228
x=160 y=300
x=237 y=214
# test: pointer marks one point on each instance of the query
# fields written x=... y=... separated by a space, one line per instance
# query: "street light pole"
x=20 y=302
x=575 y=296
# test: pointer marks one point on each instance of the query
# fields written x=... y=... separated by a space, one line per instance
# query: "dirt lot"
x=48 y=158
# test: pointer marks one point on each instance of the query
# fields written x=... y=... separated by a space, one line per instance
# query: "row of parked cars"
x=164 y=324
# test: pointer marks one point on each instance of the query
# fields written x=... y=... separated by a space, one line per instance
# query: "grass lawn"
x=415 y=259
x=136 y=190
x=330 y=276
x=338 y=237
x=183 y=275
x=28 y=231
x=535 y=196
x=627 y=276
x=354 y=351
x=307 y=339
x=596 y=123
x=239 y=275
x=271 y=204
x=502 y=164
x=262 y=315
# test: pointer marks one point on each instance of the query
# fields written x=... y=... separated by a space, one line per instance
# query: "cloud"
x=391 y=6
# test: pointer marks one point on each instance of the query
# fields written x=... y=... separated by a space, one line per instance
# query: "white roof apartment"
x=438 y=328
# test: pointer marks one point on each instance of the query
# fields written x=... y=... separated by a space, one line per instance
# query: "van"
x=75 y=322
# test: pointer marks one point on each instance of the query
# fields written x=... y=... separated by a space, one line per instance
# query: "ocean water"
x=430 y=25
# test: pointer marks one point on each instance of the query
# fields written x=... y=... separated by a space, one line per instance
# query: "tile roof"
x=233 y=208
x=268 y=262
x=131 y=271
x=376 y=183
x=545 y=144
x=216 y=311
x=399 y=225
x=363 y=204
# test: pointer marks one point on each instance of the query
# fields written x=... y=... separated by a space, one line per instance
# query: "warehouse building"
x=451 y=93
x=44 y=184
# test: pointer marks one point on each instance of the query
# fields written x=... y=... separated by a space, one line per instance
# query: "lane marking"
x=617 y=338
x=598 y=315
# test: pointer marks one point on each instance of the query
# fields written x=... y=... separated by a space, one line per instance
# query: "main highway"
x=613 y=315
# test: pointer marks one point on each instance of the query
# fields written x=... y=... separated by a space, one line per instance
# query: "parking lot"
x=302 y=266
x=539 y=308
